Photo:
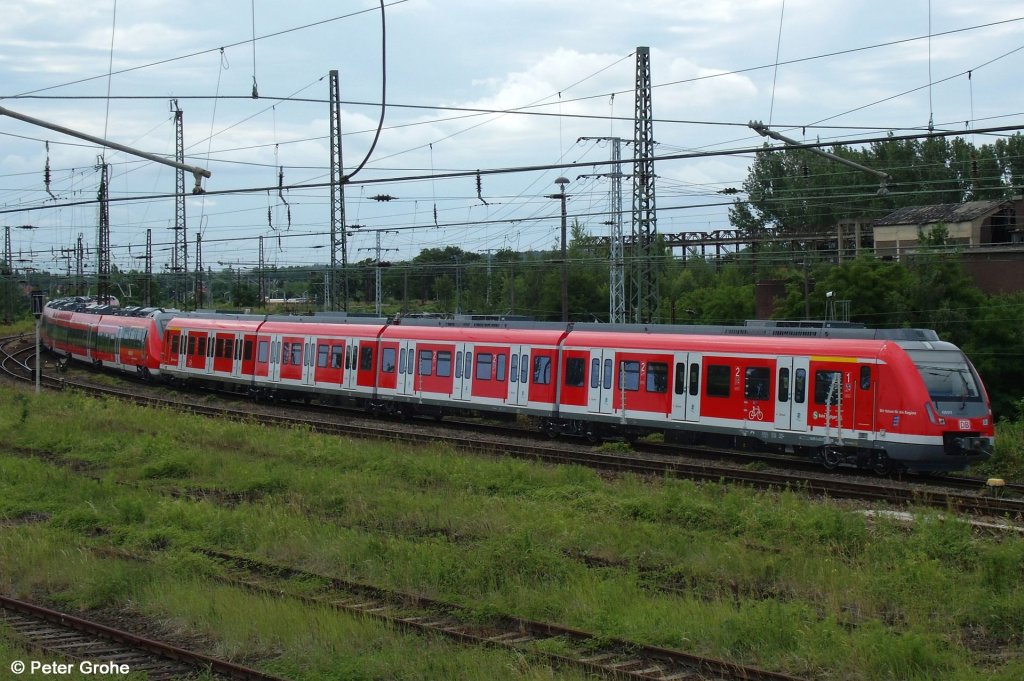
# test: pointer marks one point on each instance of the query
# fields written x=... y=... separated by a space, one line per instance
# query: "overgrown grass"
x=1008 y=458
x=773 y=580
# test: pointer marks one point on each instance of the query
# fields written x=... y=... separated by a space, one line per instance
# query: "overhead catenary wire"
x=408 y=173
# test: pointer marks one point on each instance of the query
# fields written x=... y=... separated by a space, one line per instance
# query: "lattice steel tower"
x=179 y=256
x=8 y=277
x=339 y=240
x=103 y=239
x=645 y=297
x=617 y=274
x=199 y=271
x=148 y=281
x=80 y=289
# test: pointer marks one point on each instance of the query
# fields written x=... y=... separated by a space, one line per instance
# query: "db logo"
x=965 y=424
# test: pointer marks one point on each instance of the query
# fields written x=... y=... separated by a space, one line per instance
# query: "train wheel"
x=830 y=458
x=881 y=465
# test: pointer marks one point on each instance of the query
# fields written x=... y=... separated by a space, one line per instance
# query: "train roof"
x=475 y=334
x=89 y=305
x=723 y=344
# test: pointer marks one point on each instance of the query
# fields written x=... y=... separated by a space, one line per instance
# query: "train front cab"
x=942 y=421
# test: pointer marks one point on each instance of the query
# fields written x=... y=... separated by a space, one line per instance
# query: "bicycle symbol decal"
x=755 y=413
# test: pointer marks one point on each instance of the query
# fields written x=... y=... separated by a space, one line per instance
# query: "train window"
x=629 y=375
x=784 y=384
x=286 y=354
x=694 y=387
x=247 y=351
x=756 y=381
x=366 y=358
x=595 y=373
x=865 y=377
x=524 y=369
x=200 y=346
x=680 y=387
x=322 y=352
x=444 y=363
x=799 y=386
x=484 y=360
x=513 y=371
x=458 y=364
x=191 y=345
x=426 y=362
x=387 y=360
x=297 y=354
x=606 y=383
x=657 y=377
x=499 y=372
x=219 y=352
x=718 y=380
x=401 y=361
x=575 y=372
x=336 y=352
x=541 y=370
x=175 y=340
x=827 y=386
x=263 y=352
x=468 y=373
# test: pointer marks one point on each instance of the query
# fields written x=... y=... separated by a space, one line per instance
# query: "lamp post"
x=561 y=182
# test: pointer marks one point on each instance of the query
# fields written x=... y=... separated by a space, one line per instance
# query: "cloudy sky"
x=483 y=85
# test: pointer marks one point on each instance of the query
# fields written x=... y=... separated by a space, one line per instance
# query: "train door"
x=686 y=386
x=864 y=409
x=602 y=381
x=274 y=373
x=518 y=373
x=208 y=360
x=791 y=397
x=406 y=368
x=117 y=346
x=236 y=365
x=462 y=386
x=309 y=362
x=348 y=377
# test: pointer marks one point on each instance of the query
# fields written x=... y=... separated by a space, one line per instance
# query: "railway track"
x=95 y=648
x=601 y=656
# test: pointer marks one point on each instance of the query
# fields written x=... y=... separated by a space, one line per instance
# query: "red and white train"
x=879 y=399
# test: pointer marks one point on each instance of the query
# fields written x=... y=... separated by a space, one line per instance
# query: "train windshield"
x=947 y=375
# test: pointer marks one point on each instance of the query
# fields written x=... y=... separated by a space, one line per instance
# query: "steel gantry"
x=179 y=255
x=645 y=296
x=339 y=240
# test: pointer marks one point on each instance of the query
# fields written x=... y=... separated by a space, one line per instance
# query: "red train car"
x=123 y=339
x=875 y=399
x=269 y=356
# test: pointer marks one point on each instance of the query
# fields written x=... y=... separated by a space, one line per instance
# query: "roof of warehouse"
x=943 y=212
